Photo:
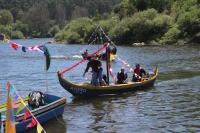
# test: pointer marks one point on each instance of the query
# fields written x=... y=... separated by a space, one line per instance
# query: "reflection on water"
x=172 y=105
x=57 y=125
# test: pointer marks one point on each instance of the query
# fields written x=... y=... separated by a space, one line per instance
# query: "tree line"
x=132 y=21
x=44 y=18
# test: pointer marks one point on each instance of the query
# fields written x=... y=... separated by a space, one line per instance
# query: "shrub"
x=17 y=35
x=77 y=31
x=53 y=30
x=6 y=17
x=189 y=22
x=171 y=36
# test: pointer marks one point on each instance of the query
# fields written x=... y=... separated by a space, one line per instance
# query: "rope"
x=91 y=55
x=125 y=63
x=97 y=30
x=114 y=78
x=107 y=36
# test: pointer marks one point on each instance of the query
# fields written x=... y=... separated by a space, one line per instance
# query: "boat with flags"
x=89 y=90
x=24 y=115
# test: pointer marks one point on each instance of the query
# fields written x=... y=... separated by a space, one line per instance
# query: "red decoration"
x=14 y=45
x=26 y=115
x=32 y=124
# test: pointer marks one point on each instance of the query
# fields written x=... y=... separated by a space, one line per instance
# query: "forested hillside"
x=125 y=21
x=44 y=18
x=149 y=21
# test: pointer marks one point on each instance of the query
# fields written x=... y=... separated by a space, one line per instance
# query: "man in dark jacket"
x=122 y=77
x=96 y=71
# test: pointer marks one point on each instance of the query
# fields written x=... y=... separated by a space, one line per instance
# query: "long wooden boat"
x=54 y=107
x=88 y=90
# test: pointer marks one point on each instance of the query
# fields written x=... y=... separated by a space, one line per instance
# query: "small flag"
x=20 y=107
x=22 y=102
x=12 y=91
x=14 y=45
x=26 y=114
x=39 y=128
x=32 y=124
x=10 y=119
x=14 y=106
x=16 y=98
x=23 y=49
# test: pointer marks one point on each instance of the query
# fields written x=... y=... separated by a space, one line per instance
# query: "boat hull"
x=42 y=118
x=43 y=114
x=91 y=91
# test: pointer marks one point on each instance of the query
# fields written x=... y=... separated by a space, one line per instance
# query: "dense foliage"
x=125 y=21
x=133 y=21
x=44 y=18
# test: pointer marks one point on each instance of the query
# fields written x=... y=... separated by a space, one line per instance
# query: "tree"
x=141 y=4
x=6 y=17
x=38 y=21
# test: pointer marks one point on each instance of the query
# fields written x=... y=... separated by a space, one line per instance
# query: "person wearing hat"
x=85 y=54
x=2 y=37
x=138 y=73
x=122 y=77
x=97 y=70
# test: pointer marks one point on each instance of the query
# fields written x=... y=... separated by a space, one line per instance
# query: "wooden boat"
x=54 y=107
x=88 y=90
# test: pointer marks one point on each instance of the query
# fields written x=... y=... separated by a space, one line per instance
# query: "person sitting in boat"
x=122 y=77
x=85 y=54
x=36 y=99
x=96 y=71
x=104 y=80
x=138 y=73
x=2 y=37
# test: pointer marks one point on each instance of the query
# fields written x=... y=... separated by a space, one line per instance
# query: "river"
x=172 y=105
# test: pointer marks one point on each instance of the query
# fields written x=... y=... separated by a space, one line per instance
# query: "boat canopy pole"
x=108 y=62
x=81 y=61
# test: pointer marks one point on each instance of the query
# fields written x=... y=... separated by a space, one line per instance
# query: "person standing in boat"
x=85 y=54
x=96 y=71
x=122 y=77
x=138 y=73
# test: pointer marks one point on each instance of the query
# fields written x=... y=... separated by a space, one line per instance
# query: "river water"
x=172 y=105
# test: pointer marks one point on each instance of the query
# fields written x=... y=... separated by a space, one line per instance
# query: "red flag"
x=14 y=45
x=26 y=114
x=32 y=124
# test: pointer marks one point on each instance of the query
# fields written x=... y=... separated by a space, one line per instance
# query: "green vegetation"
x=150 y=21
x=125 y=21
x=44 y=18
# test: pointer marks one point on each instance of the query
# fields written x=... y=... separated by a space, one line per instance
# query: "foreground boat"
x=88 y=90
x=54 y=107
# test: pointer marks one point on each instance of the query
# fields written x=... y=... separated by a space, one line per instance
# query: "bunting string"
x=40 y=48
x=125 y=64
